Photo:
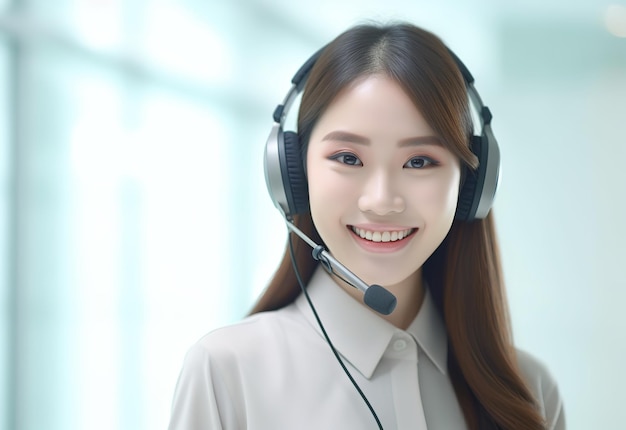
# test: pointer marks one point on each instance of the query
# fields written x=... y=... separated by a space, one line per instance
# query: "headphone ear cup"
x=294 y=177
x=470 y=193
x=466 y=196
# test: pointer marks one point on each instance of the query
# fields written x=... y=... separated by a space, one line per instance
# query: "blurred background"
x=134 y=216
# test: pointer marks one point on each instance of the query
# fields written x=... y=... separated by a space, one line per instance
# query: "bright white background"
x=134 y=216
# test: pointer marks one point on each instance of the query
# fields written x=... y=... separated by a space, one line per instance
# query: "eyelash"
x=428 y=162
x=341 y=158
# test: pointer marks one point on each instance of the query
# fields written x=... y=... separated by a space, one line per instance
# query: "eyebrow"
x=344 y=136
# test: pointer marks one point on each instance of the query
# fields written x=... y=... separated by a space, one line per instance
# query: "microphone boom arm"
x=375 y=296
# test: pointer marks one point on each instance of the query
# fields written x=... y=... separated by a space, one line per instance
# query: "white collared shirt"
x=275 y=371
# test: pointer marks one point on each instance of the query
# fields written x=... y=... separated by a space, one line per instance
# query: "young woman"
x=386 y=148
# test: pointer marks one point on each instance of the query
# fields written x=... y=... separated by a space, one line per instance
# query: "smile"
x=382 y=236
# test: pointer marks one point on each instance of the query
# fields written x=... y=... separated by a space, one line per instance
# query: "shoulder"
x=229 y=364
x=257 y=338
x=544 y=387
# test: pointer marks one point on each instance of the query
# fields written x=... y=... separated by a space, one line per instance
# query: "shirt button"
x=399 y=345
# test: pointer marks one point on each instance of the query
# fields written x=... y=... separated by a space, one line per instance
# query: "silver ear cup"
x=273 y=174
x=491 y=162
x=284 y=172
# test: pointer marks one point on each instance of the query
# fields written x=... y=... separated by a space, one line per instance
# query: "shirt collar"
x=359 y=334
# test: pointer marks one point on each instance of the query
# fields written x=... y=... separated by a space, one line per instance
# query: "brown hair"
x=464 y=273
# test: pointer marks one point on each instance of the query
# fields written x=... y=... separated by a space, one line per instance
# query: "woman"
x=384 y=132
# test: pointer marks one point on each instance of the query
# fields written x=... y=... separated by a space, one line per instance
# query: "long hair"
x=464 y=273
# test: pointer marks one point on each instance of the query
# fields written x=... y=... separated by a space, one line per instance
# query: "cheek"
x=318 y=185
x=328 y=192
x=441 y=192
x=326 y=189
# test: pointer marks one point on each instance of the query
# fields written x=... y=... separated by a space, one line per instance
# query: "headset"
x=285 y=174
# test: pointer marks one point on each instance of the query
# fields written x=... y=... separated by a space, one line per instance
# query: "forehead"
x=375 y=104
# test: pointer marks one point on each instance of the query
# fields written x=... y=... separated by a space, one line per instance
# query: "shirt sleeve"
x=200 y=398
x=552 y=404
x=545 y=389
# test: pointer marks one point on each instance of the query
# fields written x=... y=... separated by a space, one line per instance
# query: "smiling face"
x=382 y=187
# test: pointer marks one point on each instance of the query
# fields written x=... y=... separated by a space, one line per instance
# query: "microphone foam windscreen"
x=379 y=299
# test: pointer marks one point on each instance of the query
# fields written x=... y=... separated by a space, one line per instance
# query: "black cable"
x=319 y=322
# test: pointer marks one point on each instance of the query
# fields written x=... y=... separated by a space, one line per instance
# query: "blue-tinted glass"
x=6 y=172
x=124 y=222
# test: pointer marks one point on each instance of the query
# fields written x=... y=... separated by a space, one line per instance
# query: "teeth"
x=385 y=236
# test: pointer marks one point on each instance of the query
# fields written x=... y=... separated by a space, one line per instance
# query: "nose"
x=381 y=196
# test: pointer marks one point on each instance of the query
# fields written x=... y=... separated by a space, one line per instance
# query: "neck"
x=410 y=295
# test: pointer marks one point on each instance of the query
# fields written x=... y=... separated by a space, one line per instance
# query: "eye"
x=347 y=158
x=420 y=162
